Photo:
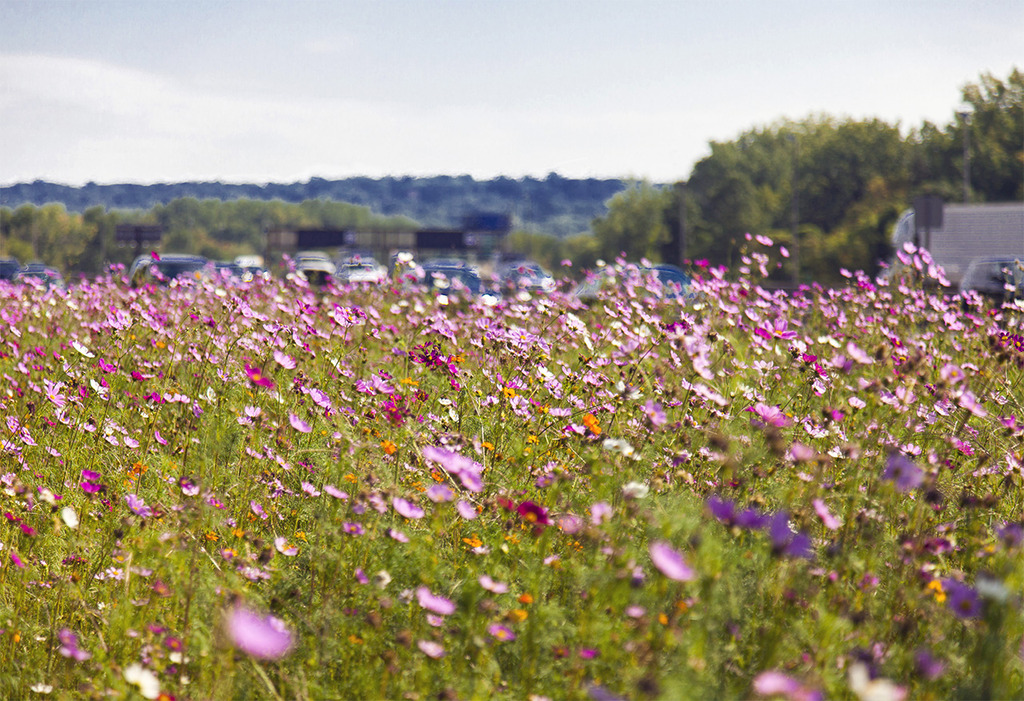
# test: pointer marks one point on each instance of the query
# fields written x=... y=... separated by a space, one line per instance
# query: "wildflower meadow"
x=262 y=490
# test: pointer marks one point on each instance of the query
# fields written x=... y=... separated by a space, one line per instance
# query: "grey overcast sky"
x=149 y=91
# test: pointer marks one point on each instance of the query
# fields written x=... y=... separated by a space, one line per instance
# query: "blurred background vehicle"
x=663 y=281
x=525 y=275
x=996 y=278
x=43 y=274
x=9 y=267
x=167 y=268
x=362 y=269
x=315 y=267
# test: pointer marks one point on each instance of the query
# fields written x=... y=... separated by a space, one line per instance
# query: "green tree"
x=636 y=223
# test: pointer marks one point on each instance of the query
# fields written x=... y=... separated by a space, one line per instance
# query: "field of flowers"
x=264 y=490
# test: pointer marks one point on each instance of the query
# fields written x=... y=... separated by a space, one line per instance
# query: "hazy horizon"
x=117 y=92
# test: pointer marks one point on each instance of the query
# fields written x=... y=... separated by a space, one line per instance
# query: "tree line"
x=829 y=190
x=86 y=242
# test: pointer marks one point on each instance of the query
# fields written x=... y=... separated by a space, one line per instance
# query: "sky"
x=146 y=91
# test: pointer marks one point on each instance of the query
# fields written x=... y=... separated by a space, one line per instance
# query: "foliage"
x=849 y=180
x=218 y=230
x=267 y=491
x=553 y=205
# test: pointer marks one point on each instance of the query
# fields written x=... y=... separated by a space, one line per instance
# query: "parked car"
x=361 y=270
x=448 y=276
x=44 y=274
x=997 y=278
x=167 y=268
x=315 y=267
x=663 y=281
x=525 y=275
x=9 y=267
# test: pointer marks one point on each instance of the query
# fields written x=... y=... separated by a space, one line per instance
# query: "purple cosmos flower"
x=775 y=683
x=963 y=599
x=466 y=510
x=351 y=528
x=335 y=492
x=902 y=470
x=670 y=563
x=432 y=602
x=407 y=508
x=69 y=646
x=600 y=512
x=927 y=665
x=262 y=637
x=284 y=360
x=724 y=511
x=439 y=493
x=138 y=506
x=786 y=541
x=655 y=414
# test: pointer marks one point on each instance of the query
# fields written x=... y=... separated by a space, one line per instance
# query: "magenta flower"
x=533 y=513
x=501 y=633
x=257 y=377
x=262 y=637
x=432 y=602
x=670 y=563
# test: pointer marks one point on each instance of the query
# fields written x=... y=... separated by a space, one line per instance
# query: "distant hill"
x=553 y=205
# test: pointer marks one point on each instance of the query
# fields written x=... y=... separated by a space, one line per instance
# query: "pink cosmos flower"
x=284 y=360
x=431 y=649
x=466 y=469
x=830 y=521
x=432 y=602
x=262 y=637
x=298 y=424
x=466 y=510
x=670 y=563
x=492 y=586
x=407 y=508
x=282 y=546
x=335 y=492
x=770 y=415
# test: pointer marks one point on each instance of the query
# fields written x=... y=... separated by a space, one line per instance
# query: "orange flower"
x=590 y=421
x=473 y=542
x=525 y=598
x=389 y=447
